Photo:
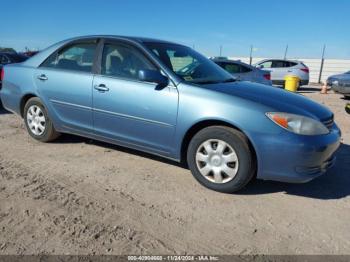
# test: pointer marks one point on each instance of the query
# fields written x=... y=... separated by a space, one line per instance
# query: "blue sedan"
x=132 y=92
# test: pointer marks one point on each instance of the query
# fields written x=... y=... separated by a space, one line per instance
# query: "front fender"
x=198 y=105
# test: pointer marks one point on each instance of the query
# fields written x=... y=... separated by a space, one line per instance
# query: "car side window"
x=266 y=64
x=245 y=69
x=232 y=68
x=77 y=57
x=124 y=61
x=289 y=64
x=278 y=64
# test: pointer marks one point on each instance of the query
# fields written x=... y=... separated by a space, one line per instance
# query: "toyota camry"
x=134 y=92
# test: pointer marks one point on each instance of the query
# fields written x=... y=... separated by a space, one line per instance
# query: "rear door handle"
x=101 y=88
x=42 y=77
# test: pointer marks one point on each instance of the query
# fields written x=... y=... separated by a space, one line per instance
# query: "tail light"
x=267 y=76
x=306 y=70
x=2 y=74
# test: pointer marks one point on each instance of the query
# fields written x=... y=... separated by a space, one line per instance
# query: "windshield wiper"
x=206 y=82
x=229 y=80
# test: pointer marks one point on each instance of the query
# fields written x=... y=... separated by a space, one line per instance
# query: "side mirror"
x=260 y=66
x=153 y=76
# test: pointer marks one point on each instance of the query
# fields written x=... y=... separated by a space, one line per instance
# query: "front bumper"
x=345 y=89
x=297 y=159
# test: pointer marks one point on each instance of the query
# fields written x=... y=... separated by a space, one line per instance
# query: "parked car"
x=243 y=71
x=281 y=68
x=340 y=83
x=131 y=92
x=9 y=58
x=30 y=53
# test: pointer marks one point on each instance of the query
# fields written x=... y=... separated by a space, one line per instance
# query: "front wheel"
x=37 y=121
x=220 y=158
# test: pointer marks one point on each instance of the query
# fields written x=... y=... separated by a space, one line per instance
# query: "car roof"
x=276 y=59
x=120 y=37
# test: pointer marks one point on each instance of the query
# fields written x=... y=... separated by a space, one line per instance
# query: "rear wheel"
x=220 y=158
x=37 y=121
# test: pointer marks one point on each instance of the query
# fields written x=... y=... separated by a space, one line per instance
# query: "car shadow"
x=72 y=139
x=335 y=184
x=308 y=89
x=3 y=111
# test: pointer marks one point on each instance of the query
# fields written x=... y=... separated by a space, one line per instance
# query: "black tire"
x=239 y=142
x=49 y=133
x=347 y=108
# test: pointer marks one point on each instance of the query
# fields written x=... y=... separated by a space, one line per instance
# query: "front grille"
x=328 y=122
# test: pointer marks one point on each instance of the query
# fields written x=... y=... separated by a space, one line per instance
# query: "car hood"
x=276 y=99
x=340 y=77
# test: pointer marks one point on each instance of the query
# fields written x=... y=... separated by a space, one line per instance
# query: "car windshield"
x=189 y=65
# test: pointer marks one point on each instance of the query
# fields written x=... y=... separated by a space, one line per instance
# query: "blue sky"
x=269 y=25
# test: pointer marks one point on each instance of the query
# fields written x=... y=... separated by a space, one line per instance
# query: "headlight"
x=298 y=124
x=335 y=82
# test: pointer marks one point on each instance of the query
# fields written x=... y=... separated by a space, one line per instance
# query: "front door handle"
x=42 y=77
x=101 y=88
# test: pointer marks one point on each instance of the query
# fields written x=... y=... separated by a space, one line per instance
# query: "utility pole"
x=322 y=62
x=251 y=55
x=285 y=53
x=221 y=50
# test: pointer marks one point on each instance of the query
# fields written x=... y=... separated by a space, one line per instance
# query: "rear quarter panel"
x=17 y=83
x=298 y=72
x=19 y=79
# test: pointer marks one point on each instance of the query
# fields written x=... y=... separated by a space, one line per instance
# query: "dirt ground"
x=78 y=196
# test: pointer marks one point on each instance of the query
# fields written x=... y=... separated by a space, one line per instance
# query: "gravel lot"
x=78 y=196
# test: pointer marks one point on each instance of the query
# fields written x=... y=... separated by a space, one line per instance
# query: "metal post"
x=220 y=50
x=322 y=62
x=285 y=53
x=251 y=55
